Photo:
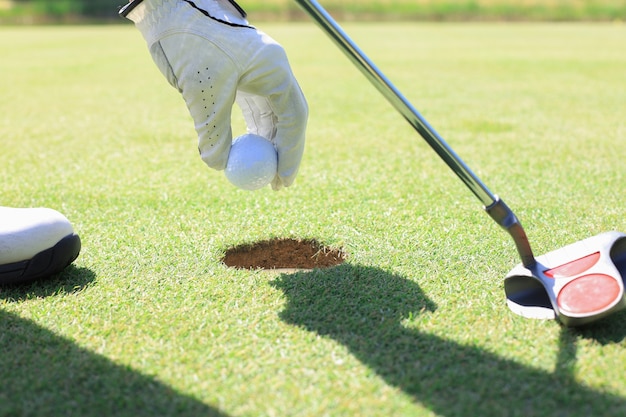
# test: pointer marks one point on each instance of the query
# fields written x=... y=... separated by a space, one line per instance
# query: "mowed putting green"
x=148 y=321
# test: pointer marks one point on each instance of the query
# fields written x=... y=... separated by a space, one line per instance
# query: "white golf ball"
x=252 y=162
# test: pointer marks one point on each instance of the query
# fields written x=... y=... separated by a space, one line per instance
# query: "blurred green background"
x=80 y=11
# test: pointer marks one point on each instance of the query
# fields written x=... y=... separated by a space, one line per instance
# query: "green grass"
x=148 y=322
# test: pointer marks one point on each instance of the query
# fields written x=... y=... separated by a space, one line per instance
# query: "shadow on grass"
x=73 y=279
x=610 y=330
x=607 y=331
x=362 y=308
x=43 y=374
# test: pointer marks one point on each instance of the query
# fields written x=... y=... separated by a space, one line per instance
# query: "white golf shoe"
x=34 y=244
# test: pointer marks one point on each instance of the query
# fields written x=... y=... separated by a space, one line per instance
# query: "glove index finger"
x=208 y=90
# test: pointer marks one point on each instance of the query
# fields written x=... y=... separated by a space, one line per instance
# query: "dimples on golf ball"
x=252 y=162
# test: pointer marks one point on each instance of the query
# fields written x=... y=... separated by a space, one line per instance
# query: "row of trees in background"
x=34 y=11
x=92 y=8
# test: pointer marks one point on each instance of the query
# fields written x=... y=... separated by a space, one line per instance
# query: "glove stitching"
x=207 y=14
x=169 y=65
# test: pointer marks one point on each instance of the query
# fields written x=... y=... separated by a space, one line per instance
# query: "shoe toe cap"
x=25 y=232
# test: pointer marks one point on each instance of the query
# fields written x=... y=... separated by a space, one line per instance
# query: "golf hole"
x=283 y=253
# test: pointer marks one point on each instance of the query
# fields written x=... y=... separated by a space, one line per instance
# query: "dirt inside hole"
x=283 y=253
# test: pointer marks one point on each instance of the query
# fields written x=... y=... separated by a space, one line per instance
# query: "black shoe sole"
x=44 y=264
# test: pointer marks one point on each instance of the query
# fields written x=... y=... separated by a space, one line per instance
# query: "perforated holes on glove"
x=208 y=96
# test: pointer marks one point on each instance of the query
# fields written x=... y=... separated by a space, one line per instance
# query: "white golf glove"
x=207 y=50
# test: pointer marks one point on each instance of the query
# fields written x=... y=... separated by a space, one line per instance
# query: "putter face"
x=576 y=284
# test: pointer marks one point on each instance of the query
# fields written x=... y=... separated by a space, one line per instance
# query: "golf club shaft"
x=496 y=208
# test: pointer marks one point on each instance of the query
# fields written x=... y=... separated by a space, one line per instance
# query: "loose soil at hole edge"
x=281 y=253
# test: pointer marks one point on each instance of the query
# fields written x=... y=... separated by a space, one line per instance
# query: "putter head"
x=577 y=284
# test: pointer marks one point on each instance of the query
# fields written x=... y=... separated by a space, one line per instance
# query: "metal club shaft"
x=495 y=207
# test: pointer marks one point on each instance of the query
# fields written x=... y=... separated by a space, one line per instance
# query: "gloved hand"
x=207 y=50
